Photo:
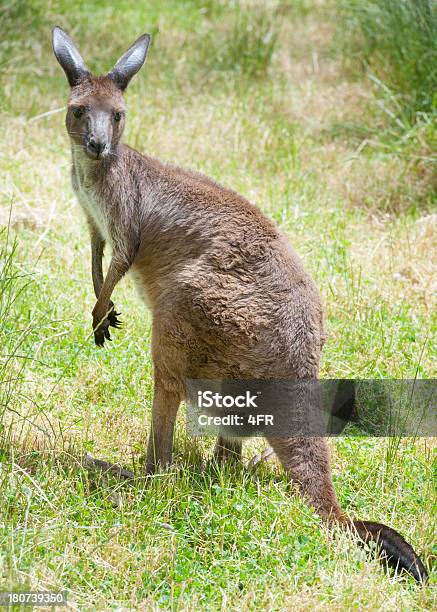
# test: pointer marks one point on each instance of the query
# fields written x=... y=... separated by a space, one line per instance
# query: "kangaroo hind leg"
x=164 y=410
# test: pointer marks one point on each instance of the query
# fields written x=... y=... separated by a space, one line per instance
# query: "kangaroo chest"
x=91 y=204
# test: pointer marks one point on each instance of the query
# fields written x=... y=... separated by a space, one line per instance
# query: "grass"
x=396 y=39
x=291 y=128
x=392 y=44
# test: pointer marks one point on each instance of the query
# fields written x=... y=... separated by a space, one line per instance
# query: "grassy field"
x=265 y=98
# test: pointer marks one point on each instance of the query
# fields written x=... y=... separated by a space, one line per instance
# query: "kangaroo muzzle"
x=98 y=139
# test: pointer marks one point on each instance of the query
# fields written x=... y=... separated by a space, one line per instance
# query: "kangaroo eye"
x=77 y=112
x=117 y=116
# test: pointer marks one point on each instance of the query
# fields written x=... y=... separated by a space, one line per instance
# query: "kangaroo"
x=229 y=297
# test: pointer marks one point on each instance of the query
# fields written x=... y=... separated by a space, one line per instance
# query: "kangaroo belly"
x=141 y=287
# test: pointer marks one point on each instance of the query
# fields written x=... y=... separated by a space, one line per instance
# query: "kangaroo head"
x=96 y=109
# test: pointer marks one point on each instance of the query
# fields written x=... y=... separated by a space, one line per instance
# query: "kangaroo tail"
x=306 y=460
x=394 y=549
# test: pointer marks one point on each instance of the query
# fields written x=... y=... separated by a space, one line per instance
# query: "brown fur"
x=229 y=297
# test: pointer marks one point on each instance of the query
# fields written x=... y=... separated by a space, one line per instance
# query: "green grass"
x=397 y=41
x=255 y=98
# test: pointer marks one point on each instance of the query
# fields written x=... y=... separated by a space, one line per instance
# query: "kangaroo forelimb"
x=97 y=249
x=104 y=314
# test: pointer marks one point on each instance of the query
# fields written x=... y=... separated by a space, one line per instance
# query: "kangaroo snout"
x=96 y=148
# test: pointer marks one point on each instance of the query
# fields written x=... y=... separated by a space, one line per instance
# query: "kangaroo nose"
x=95 y=146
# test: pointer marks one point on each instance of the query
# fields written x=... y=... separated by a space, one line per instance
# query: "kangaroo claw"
x=114 y=321
x=101 y=333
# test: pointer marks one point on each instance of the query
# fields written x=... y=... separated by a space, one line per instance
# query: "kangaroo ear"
x=68 y=56
x=130 y=62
